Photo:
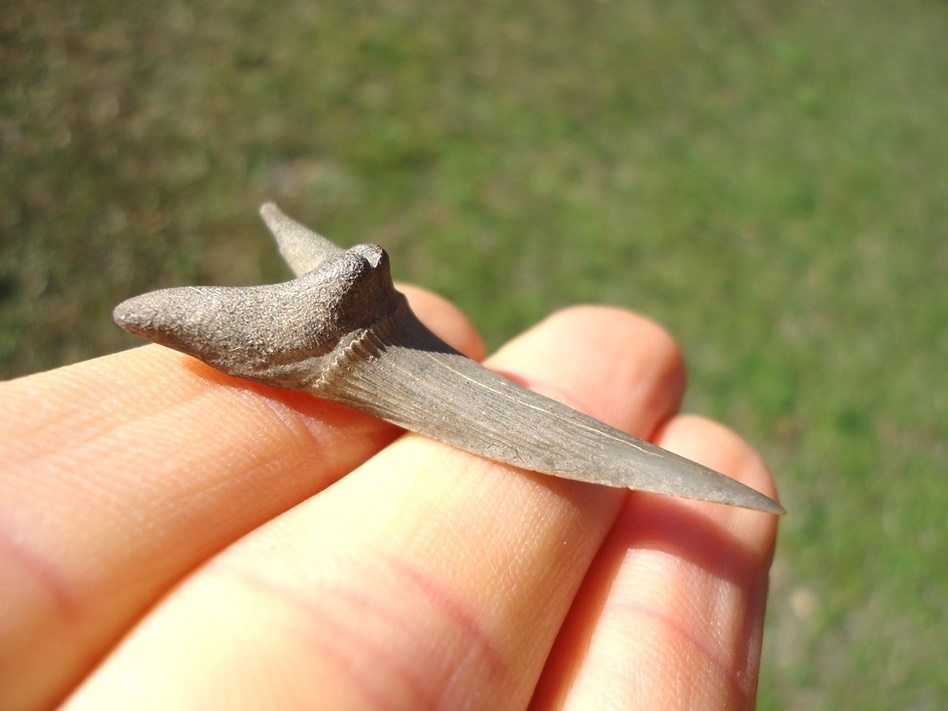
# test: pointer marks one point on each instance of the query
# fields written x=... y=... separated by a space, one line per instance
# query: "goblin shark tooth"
x=341 y=331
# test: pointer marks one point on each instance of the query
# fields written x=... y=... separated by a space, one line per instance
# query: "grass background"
x=766 y=179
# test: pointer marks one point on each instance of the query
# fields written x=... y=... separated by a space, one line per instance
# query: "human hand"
x=222 y=544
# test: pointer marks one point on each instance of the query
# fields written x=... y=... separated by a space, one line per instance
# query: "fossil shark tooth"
x=342 y=332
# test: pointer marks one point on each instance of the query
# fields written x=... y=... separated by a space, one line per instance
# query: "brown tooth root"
x=300 y=247
x=342 y=332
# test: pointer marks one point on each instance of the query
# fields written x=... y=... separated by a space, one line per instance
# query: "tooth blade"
x=451 y=398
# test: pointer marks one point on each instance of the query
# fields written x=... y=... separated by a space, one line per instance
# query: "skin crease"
x=420 y=577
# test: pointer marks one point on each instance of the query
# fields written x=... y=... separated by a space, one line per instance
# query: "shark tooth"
x=341 y=331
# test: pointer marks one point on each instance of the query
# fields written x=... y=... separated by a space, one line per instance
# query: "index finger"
x=123 y=473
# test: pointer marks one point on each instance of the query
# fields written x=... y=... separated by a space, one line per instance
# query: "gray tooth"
x=343 y=333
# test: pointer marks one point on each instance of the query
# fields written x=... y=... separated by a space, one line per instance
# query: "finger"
x=427 y=577
x=671 y=614
x=123 y=473
x=445 y=320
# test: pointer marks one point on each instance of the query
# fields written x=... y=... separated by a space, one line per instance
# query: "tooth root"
x=301 y=248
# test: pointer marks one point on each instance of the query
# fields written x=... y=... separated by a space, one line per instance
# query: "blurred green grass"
x=766 y=179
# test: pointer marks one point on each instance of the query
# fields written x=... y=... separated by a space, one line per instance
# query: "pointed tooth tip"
x=690 y=480
x=732 y=494
x=710 y=485
x=762 y=503
x=775 y=508
x=737 y=494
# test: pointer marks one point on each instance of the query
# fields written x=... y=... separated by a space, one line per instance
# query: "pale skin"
x=172 y=537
